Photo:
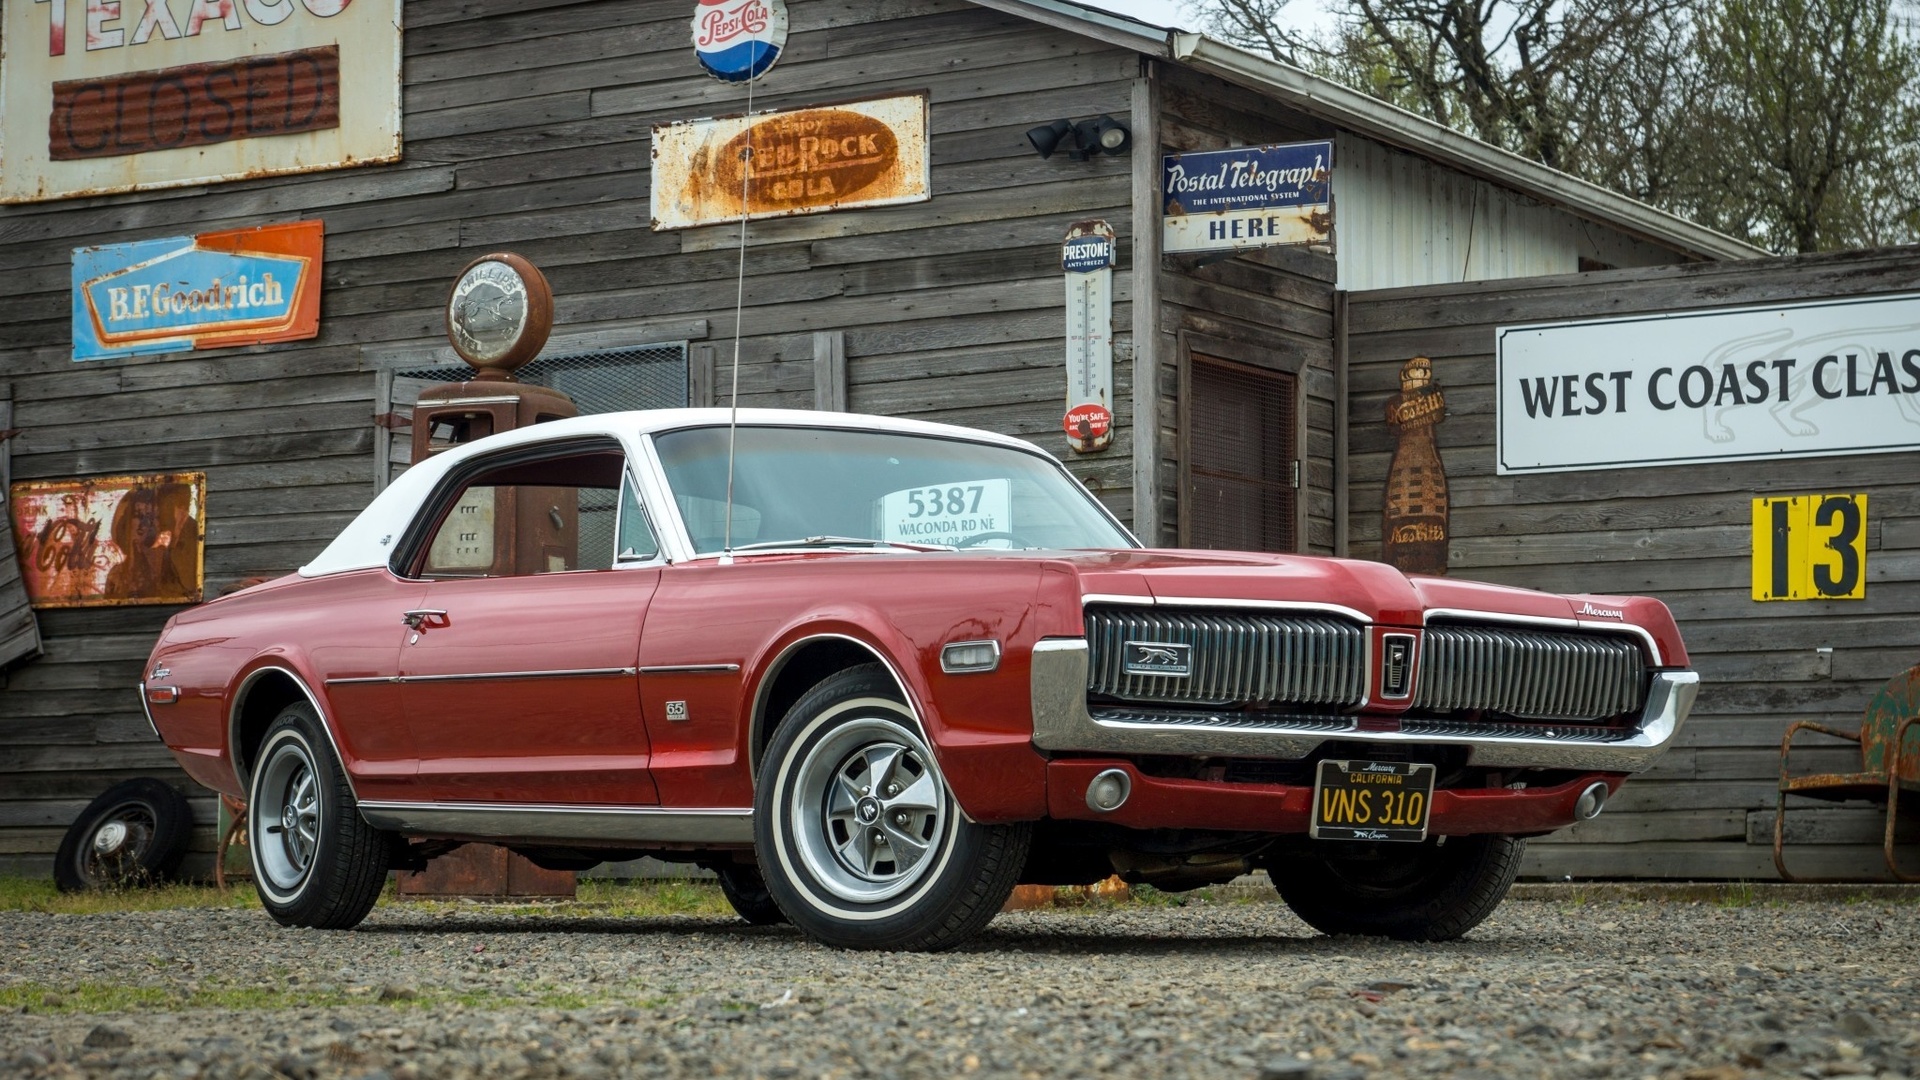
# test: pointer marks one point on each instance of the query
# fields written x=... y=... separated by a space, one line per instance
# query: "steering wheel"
x=980 y=538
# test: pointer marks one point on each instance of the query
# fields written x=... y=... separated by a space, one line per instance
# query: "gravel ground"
x=1565 y=987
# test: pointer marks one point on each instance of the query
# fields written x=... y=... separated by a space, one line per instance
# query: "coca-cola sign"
x=738 y=40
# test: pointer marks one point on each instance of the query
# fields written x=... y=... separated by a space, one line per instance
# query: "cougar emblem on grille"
x=1158 y=658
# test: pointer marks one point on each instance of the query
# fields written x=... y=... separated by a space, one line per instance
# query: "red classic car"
x=874 y=673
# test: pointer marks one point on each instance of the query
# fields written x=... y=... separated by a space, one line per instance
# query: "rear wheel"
x=316 y=862
x=1435 y=891
x=861 y=842
x=746 y=890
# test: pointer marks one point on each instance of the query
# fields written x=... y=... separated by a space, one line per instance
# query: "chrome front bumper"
x=1061 y=721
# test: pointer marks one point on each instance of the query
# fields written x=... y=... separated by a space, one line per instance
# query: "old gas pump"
x=498 y=317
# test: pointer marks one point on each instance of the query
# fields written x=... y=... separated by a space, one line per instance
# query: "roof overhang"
x=1353 y=111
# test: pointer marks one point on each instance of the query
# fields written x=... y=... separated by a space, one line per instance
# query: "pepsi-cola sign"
x=738 y=40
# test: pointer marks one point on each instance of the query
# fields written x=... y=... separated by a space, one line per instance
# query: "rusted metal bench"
x=1889 y=739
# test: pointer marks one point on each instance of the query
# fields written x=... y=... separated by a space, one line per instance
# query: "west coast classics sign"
x=798 y=161
x=1798 y=380
x=1248 y=197
x=238 y=287
x=123 y=95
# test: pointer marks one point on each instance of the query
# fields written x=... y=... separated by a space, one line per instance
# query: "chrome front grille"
x=1541 y=675
x=1235 y=657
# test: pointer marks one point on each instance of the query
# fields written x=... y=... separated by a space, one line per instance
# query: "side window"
x=636 y=539
x=522 y=517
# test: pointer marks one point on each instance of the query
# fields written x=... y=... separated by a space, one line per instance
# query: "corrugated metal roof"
x=1356 y=112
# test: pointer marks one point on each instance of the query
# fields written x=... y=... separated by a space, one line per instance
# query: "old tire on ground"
x=746 y=890
x=1435 y=891
x=859 y=839
x=135 y=833
x=316 y=862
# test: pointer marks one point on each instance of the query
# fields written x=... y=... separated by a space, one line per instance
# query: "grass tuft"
x=40 y=895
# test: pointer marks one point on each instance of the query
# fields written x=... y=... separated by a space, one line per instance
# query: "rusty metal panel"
x=112 y=540
x=126 y=97
x=796 y=161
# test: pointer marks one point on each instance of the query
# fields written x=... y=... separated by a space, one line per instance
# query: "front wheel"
x=1434 y=891
x=860 y=841
x=316 y=862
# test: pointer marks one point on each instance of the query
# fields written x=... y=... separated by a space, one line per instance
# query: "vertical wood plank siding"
x=1681 y=533
x=529 y=130
x=1402 y=220
x=1272 y=307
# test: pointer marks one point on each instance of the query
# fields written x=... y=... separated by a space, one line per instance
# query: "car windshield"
x=826 y=486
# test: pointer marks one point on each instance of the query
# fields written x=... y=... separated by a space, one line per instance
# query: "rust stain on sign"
x=195 y=104
x=867 y=153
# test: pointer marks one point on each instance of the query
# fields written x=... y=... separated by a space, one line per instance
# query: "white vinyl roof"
x=368 y=541
x=1354 y=111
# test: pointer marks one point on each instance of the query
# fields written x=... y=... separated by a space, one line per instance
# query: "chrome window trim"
x=1062 y=722
x=628 y=479
x=1569 y=623
x=326 y=724
x=546 y=821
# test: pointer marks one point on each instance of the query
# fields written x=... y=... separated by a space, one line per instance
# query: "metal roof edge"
x=1091 y=22
x=1389 y=123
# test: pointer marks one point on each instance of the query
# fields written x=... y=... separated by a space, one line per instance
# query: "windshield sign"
x=946 y=515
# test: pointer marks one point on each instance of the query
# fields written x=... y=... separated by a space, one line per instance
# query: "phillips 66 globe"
x=499 y=313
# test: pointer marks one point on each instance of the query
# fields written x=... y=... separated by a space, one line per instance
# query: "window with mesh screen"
x=611 y=380
x=1241 y=446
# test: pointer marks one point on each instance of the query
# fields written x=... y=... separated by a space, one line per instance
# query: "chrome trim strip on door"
x=690 y=669
x=565 y=673
x=531 y=821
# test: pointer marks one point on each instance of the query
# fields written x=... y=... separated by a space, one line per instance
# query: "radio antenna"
x=739 y=299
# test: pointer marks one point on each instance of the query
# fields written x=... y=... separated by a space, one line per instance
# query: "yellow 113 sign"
x=1810 y=547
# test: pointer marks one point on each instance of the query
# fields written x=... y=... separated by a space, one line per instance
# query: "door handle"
x=421 y=616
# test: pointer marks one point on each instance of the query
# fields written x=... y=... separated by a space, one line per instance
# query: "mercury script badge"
x=1162 y=658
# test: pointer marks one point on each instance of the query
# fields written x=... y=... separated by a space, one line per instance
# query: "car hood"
x=1371 y=591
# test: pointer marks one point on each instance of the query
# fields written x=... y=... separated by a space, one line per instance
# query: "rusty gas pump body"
x=516 y=531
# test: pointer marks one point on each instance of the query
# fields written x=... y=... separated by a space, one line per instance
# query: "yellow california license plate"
x=1371 y=800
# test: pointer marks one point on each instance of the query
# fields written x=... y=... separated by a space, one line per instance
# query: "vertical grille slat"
x=1531 y=674
x=1236 y=657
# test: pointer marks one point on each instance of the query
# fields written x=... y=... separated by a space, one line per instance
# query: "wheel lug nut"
x=893 y=789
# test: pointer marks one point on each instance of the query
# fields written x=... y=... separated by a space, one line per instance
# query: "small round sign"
x=499 y=313
x=1088 y=423
x=738 y=40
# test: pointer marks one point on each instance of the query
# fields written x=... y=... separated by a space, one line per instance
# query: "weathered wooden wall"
x=527 y=126
x=1681 y=533
x=1270 y=308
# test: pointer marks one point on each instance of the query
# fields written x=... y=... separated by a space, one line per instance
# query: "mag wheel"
x=861 y=843
x=135 y=833
x=1434 y=891
x=316 y=862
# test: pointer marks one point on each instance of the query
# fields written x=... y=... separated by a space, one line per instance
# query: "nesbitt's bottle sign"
x=738 y=40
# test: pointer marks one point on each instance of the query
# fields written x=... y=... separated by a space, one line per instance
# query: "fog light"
x=1592 y=801
x=969 y=656
x=1109 y=790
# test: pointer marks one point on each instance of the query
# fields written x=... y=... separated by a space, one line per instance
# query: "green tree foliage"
x=1791 y=123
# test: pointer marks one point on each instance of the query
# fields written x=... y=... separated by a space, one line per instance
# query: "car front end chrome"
x=1063 y=721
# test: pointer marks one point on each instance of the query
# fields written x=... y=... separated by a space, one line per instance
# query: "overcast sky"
x=1161 y=12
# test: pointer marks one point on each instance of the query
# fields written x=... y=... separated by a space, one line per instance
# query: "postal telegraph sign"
x=1799 y=380
x=1248 y=197
x=99 y=96
x=237 y=287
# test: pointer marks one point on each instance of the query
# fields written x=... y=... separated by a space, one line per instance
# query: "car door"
x=518 y=672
